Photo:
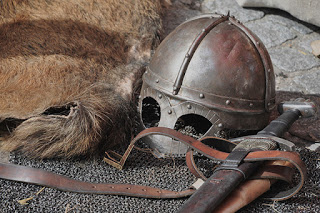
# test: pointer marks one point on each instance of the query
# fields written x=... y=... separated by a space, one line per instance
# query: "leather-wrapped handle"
x=282 y=124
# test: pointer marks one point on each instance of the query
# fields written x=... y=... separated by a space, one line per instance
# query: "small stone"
x=4 y=157
x=314 y=147
x=315 y=45
x=304 y=42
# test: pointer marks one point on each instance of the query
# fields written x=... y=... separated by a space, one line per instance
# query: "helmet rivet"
x=251 y=104
x=269 y=104
x=139 y=97
x=258 y=43
x=201 y=95
x=203 y=30
x=169 y=111
x=157 y=80
x=269 y=70
x=229 y=23
x=189 y=106
x=228 y=102
x=160 y=96
x=220 y=125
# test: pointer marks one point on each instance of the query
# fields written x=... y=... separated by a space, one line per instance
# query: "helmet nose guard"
x=211 y=67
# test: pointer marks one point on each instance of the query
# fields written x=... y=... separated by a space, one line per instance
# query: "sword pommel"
x=305 y=107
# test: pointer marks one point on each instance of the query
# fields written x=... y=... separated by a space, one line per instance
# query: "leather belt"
x=63 y=183
x=49 y=179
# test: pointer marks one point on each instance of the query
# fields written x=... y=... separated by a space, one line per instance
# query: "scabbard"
x=249 y=190
x=233 y=171
x=217 y=187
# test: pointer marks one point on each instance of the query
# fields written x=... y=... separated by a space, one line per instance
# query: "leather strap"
x=277 y=172
x=44 y=178
x=63 y=183
x=271 y=155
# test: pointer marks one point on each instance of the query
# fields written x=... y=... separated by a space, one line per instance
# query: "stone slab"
x=289 y=23
x=291 y=59
x=306 y=10
x=284 y=83
x=223 y=6
x=270 y=31
x=309 y=81
x=304 y=42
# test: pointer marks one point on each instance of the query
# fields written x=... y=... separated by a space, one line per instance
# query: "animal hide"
x=67 y=73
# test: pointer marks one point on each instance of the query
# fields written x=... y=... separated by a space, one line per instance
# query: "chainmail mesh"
x=141 y=168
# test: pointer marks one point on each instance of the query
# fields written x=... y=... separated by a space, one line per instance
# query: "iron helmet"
x=213 y=71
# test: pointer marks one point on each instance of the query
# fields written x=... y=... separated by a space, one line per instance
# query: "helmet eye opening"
x=193 y=125
x=150 y=113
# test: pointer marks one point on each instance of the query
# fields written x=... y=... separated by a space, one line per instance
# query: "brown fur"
x=67 y=70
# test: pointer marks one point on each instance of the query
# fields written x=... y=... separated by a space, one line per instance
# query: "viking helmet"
x=211 y=70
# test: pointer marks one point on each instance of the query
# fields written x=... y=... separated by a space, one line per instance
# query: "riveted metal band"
x=196 y=42
x=207 y=99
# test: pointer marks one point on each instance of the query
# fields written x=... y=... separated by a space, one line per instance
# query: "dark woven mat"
x=143 y=168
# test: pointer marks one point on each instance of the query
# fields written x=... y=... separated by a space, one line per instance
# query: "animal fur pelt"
x=67 y=73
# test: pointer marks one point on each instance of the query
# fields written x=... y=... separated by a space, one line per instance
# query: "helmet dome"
x=213 y=68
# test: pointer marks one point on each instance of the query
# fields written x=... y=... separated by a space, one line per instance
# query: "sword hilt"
x=227 y=177
x=291 y=111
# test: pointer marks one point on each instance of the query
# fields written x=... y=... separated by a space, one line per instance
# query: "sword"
x=233 y=171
